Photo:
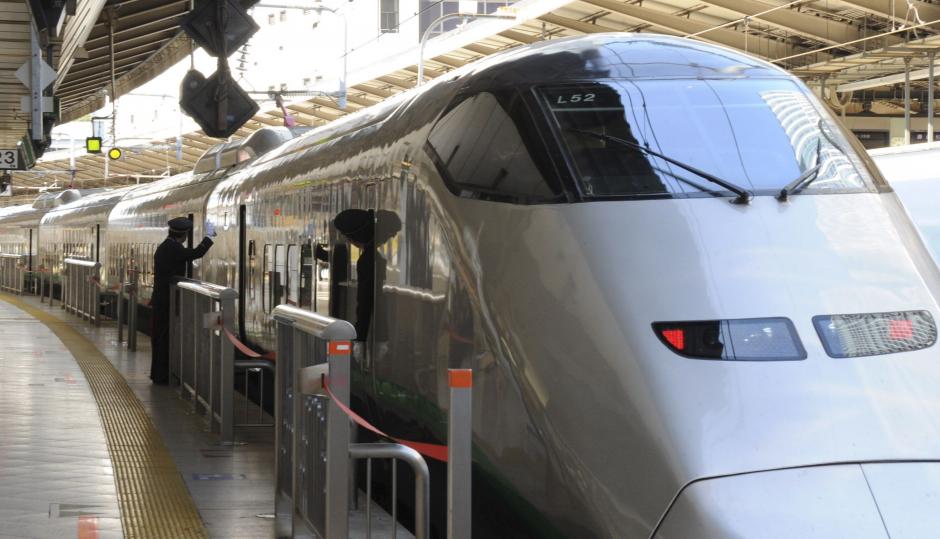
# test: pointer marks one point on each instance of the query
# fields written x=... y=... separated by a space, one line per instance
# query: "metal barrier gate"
x=202 y=353
x=127 y=314
x=12 y=272
x=312 y=437
x=81 y=289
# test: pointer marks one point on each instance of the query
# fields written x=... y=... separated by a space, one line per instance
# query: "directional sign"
x=47 y=75
x=9 y=159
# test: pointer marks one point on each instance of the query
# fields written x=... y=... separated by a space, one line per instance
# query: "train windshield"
x=760 y=134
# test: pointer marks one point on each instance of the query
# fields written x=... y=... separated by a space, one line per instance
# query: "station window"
x=283 y=16
x=270 y=18
x=388 y=16
x=481 y=151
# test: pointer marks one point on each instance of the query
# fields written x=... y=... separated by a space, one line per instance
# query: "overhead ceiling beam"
x=882 y=8
x=756 y=45
x=807 y=25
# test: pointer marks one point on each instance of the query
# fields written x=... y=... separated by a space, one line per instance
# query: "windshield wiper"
x=804 y=179
x=812 y=174
x=744 y=196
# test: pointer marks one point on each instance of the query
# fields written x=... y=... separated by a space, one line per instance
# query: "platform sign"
x=9 y=159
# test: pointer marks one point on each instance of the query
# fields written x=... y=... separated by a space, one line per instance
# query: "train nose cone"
x=850 y=500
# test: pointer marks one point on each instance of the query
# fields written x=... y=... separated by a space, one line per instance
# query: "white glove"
x=210 y=229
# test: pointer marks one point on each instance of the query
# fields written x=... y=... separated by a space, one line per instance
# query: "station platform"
x=89 y=448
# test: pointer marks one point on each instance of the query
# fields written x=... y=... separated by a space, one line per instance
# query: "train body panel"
x=138 y=224
x=912 y=172
x=79 y=230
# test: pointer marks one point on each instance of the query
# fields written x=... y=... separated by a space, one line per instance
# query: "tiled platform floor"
x=232 y=486
x=55 y=471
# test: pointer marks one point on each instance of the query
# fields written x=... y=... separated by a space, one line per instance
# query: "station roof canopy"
x=831 y=42
x=145 y=42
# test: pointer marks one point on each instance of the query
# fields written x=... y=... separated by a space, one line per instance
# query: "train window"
x=307 y=265
x=280 y=275
x=479 y=149
x=268 y=264
x=251 y=269
x=757 y=133
x=293 y=275
x=321 y=291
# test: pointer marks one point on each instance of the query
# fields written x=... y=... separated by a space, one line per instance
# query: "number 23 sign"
x=8 y=159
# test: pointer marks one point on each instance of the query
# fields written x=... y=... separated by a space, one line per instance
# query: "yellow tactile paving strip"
x=153 y=498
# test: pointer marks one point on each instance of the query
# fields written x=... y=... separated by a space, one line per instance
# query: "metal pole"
x=337 y=441
x=227 y=301
x=120 y=304
x=930 y=59
x=111 y=16
x=459 y=457
x=907 y=101
x=132 y=311
x=342 y=86
x=96 y=294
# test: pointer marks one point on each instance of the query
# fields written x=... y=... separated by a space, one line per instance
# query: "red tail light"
x=675 y=337
x=754 y=339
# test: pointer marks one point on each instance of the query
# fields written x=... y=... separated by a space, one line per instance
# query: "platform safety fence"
x=81 y=289
x=12 y=272
x=313 y=450
x=202 y=356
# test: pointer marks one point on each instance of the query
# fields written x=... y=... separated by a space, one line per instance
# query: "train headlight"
x=874 y=334
x=751 y=339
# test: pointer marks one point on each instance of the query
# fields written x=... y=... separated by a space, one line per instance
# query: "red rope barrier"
x=434 y=451
x=243 y=348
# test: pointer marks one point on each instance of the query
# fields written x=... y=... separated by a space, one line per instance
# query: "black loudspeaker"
x=204 y=25
x=218 y=104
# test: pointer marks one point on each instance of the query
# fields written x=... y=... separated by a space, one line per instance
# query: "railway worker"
x=169 y=264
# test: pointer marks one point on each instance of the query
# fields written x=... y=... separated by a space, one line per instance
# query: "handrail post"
x=337 y=441
x=96 y=292
x=120 y=305
x=132 y=312
x=459 y=457
x=283 y=449
x=227 y=369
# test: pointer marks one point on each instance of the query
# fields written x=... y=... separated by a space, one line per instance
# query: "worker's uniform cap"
x=180 y=224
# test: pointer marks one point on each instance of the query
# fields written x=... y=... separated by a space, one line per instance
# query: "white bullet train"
x=693 y=306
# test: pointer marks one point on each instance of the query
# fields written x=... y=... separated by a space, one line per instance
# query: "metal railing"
x=312 y=437
x=12 y=272
x=202 y=354
x=81 y=289
x=127 y=314
x=46 y=285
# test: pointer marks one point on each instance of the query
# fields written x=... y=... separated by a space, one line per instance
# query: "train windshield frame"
x=758 y=133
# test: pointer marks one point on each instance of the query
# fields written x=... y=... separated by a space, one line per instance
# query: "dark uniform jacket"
x=169 y=264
